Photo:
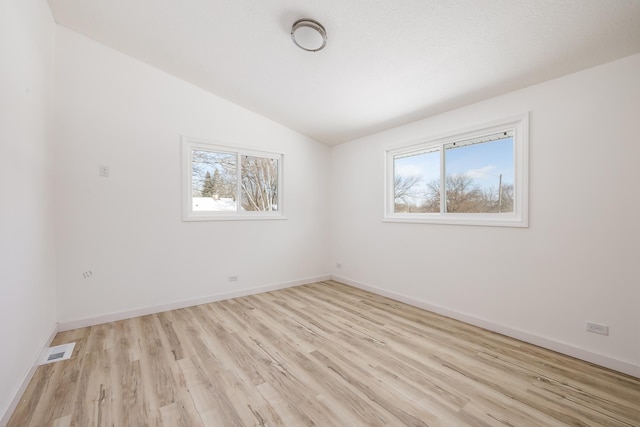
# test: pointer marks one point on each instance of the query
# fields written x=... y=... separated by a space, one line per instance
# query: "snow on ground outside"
x=209 y=204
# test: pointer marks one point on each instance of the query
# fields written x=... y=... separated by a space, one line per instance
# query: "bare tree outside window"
x=410 y=176
x=228 y=181
x=466 y=196
x=259 y=184
x=472 y=177
x=406 y=192
x=479 y=175
x=214 y=181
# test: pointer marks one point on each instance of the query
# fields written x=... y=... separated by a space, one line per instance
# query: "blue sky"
x=484 y=162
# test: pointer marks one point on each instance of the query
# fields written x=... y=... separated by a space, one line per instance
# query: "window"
x=476 y=177
x=229 y=183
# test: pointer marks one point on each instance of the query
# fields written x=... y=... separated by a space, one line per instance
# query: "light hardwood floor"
x=324 y=354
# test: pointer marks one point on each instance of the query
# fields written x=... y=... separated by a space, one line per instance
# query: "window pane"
x=416 y=182
x=259 y=184
x=480 y=175
x=213 y=181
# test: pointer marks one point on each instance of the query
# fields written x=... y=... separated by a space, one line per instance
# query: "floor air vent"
x=57 y=353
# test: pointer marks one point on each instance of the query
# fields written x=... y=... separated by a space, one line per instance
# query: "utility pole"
x=500 y=195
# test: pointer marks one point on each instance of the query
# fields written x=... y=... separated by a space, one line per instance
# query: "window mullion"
x=209 y=169
x=391 y=186
x=239 y=182
x=482 y=177
x=443 y=192
x=189 y=188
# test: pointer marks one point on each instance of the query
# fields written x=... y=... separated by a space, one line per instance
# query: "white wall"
x=127 y=229
x=27 y=288
x=578 y=259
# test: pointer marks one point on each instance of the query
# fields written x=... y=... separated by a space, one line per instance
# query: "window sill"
x=232 y=218
x=508 y=220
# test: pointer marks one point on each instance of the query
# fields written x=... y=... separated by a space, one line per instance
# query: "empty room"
x=339 y=213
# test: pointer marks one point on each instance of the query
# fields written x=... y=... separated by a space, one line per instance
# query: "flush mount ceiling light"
x=309 y=35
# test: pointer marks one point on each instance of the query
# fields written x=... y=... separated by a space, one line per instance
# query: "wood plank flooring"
x=323 y=354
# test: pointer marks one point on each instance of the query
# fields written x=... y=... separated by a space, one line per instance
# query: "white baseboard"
x=27 y=378
x=67 y=325
x=560 y=347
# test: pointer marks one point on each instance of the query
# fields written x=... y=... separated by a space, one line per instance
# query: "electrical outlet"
x=597 y=328
x=233 y=278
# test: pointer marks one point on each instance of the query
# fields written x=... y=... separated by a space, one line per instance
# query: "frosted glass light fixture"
x=309 y=35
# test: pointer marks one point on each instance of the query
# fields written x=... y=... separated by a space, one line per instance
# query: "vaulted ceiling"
x=386 y=63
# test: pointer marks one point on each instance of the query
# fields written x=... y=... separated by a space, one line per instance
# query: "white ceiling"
x=387 y=62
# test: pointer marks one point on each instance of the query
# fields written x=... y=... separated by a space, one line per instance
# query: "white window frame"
x=189 y=145
x=519 y=218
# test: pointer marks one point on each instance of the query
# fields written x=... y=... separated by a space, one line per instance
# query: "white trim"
x=143 y=311
x=13 y=404
x=213 y=216
x=189 y=144
x=519 y=124
x=560 y=347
